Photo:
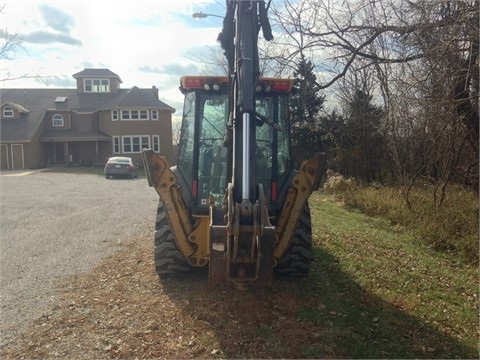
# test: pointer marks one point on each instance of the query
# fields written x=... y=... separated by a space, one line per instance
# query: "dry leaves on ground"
x=122 y=310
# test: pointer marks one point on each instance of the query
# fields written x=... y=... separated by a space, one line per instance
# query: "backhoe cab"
x=233 y=201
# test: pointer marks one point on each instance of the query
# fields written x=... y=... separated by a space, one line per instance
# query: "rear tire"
x=296 y=261
x=169 y=261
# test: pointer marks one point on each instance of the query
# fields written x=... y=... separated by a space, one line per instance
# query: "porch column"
x=96 y=151
x=67 y=155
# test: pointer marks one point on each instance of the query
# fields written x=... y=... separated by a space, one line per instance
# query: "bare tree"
x=212 y=60
x=10 y=46
x=426 y=60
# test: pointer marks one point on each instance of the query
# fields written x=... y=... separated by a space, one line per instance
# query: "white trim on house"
x=7 y=111
x=116 y=144
x=131 y=146
x=57 y=117
x=134 y=115
x=96 y=85
x=156 y=143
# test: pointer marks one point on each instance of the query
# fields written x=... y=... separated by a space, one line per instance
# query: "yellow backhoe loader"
x=234 y=202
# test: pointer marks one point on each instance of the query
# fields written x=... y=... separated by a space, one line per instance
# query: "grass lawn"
x=387 y=294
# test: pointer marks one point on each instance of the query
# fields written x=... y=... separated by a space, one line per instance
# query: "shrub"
x=452 y=227
x=340 y=187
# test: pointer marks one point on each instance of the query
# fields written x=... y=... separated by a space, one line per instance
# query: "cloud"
x=155 y=36
x=172 y=69
x=57 y=19
x=57 y=81
x=87 y=65
x=44 y=37
x=150 y=69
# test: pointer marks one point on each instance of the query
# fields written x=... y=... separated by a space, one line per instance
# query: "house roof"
x=97 y=73
x=136 y=97
x=19 y=108
x=35 y=102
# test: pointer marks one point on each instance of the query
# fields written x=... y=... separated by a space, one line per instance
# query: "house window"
x=116 y=145
x=97 y=85
x=127 y=144
x=57 y=120
x=134 y=115
x=135 y=144
x=156 y=143
x=114 y=115
x=7 y=111
x=154 y=114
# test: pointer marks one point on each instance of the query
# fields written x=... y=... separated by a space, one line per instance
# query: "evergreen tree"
x=362 y=151
x=305 y=104
x=306 y=101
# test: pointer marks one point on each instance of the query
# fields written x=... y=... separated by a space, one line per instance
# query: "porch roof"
x=72 y=135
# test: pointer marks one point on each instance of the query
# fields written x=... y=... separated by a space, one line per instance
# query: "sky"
x=147 y=43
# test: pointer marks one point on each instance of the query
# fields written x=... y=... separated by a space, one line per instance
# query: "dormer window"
x=7 y=112
x=96 y=85
x=57 y=120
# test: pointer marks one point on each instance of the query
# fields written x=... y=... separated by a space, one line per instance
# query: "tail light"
x=215 y=82
x=194 y=188
x=282 y=85
x=202 y=82
x=274 y=191
x=193 y=83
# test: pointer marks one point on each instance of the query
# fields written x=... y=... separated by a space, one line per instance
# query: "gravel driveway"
x=54 y=225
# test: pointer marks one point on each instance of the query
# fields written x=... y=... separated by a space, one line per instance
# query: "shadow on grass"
x=327 y=315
